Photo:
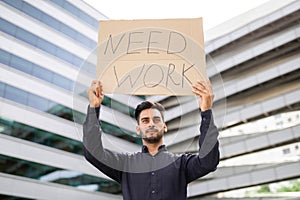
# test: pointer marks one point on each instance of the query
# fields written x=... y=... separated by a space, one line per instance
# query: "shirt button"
x=152 y=173
x=153 y=191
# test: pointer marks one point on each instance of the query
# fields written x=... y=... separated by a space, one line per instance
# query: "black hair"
x=146 y=105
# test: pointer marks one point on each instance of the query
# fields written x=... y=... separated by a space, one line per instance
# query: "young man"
x=153 y=173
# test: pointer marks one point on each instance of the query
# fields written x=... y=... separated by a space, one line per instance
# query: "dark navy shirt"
x=165 y=175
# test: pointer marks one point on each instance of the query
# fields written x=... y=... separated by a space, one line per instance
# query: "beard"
x=153 y=139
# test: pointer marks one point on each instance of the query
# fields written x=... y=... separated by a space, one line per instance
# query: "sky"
x=214 y=12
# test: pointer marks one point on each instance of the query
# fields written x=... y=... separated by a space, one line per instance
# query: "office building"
x=252 y=60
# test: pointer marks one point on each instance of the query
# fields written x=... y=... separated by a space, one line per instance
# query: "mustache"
x=151 y=130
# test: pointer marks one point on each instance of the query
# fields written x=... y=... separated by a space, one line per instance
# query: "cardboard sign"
x=150 y=57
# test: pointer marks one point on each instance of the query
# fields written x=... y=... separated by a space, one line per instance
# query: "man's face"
x=151 y=125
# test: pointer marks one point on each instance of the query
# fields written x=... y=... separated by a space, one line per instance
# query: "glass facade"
x=37 y=102
x=51 y=22
x=44 y=45
x=81 y=15
x=260 y=75
x=24 y=168
x=16 y=129
x=33 y=69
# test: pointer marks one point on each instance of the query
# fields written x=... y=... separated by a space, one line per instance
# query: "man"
x=153 y=173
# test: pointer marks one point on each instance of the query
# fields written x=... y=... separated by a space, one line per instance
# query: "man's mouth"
x=151 y=131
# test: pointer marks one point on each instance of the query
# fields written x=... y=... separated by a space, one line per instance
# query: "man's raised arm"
x=208 y=156
x=105 y=160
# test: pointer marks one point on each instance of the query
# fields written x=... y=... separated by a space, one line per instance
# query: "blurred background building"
x=253 y=62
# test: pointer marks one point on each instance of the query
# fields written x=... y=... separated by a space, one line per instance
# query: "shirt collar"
x=161 y=148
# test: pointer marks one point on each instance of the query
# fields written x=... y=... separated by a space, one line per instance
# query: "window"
x=78 y=13
x=76 y=61
x=68 y=31
x=15 y=3
x=21 y=64
x=89 y=20
x=46 y=46
x=25 y=66
x=62 y=82
x=61 y=53
x=71 y=8
x=4 y=57
x=7 y=27
x=2 y=88
x=42 y=73
x=52 y=22
x=37 y=102
x=46 y=19
x=58 y=2
x=15 y=94
x=26 y=36
x=32 y=11
x=89 y=67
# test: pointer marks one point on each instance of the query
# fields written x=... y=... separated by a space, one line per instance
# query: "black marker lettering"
x=111 y=44
x=130 y=42
x=175 y=40
x=128 y=77
x=183 y=73
x=151 y=85
x=171 y=69
x=150 y=42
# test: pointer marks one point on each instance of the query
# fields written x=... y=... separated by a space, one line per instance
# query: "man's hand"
x=95 y=94
x=204 y=90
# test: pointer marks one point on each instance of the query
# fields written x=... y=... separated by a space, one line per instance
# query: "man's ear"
x=138 y=130
x=165 y=128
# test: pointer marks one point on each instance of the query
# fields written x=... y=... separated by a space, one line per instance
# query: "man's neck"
x=153 y=147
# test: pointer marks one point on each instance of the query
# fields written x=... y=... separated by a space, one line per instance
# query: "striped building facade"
x=252 y=61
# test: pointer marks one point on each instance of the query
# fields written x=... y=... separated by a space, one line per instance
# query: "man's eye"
x=156 y=120
x=144 y=121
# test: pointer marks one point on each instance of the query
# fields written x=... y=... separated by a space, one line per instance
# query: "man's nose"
x=151 y=123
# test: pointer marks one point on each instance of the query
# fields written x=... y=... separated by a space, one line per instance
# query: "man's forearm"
x=92 y=131
x=206 y=123
x=105 y=160
x=208 y=140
